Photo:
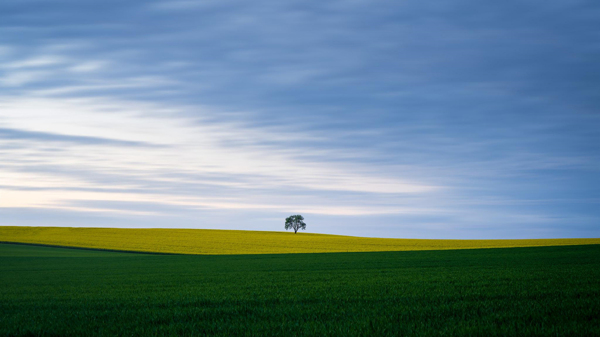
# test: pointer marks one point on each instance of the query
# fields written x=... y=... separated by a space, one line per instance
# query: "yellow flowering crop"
x=216 y=242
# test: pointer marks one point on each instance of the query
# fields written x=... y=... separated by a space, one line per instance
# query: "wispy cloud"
x=417 y=120
x=192 y=153
x=12 y=134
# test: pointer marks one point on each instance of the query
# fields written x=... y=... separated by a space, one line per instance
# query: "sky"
x=466 y=119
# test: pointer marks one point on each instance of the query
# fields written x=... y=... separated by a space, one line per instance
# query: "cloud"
x=36 y=62
x=196 y=156
x=89 y=66
x=396 y=113
x=12 y=134
x=21 y=78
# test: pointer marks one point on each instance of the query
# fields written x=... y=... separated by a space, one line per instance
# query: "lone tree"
x=295 y=222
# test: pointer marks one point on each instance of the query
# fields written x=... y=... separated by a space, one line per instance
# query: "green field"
x=544 y=291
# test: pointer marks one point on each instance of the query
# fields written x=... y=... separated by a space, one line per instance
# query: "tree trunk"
x=295 y=230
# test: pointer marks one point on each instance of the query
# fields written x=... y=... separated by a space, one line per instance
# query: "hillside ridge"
x=227 y=242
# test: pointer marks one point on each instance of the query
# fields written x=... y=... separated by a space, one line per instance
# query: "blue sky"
x=464 y=119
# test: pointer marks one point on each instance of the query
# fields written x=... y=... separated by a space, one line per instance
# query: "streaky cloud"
x=15 y=134
x=462 y=120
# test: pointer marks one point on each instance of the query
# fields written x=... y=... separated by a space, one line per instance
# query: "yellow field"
x=205 y=241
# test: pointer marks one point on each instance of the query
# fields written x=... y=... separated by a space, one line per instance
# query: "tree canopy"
x=295 y=222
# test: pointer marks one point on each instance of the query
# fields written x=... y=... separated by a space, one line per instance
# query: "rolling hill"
x=227 y=242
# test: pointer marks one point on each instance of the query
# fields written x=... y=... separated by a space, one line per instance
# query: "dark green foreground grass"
x=553 y=291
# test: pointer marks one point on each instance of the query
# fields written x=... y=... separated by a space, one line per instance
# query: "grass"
x=542 y=291
x=204 y=241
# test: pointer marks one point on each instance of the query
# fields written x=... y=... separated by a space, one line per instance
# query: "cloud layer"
x=467 y=120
